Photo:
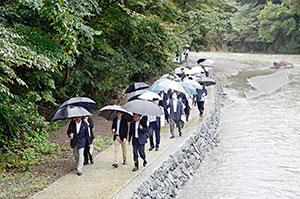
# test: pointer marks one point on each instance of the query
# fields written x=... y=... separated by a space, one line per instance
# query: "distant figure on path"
x=175 y=107
x=88 y=148
x=200 y=99
x=154 y=126
x=138 y=136
x=78 y=134
x=120 y=130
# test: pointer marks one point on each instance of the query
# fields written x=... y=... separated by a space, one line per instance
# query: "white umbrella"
x=196 y=70
x=179 y=70
x=149 y=95
x=135 y=94
x=207 y=62
x=143 y=107
x=169 y=84
x=194 y=83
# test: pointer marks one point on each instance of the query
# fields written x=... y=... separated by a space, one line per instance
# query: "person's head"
x=119 y=114
x=174 y=95
x=136 y=117
x=77 y=119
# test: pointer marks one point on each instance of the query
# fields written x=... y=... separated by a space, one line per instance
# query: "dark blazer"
x=91 y=125
x=179 y=108
x=199 y=94
x=82 y=136
x=142 y=131
x=123 y=131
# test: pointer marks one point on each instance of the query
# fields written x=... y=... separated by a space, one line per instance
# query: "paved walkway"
x=101 y=180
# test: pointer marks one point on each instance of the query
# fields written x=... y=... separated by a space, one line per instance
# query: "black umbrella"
x=134 y=95
x=136 y=86
x=84 y=102
x=110 y=112
x=206 y=81
x=200 y=60
x=70 y=112
x=143 y=107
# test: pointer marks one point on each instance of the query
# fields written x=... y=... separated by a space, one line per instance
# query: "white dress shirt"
x=136 y=135
x=118 y=126
x=175 y=105
x=78 y=126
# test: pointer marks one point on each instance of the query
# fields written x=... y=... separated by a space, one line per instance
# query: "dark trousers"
x=86 y=153
x=138 y=149
x=153 y=127
x=166 y=114
x=200 y=107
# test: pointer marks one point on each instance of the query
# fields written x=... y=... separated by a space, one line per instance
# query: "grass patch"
x=102 y=143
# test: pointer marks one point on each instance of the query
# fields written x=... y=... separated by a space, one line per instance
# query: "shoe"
x=156 y=149
x=115 y=165
x=180 y=134
x=151 y=148
x=85 y=163
x=145 y=163
x=172 y=137
x=124 y=162
x=79 y=173
x=91 y=159
x=135 y=169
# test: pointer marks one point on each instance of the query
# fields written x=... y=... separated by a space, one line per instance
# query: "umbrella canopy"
x=143 y=107
x=196 y=70
x=179 y=70
x=136 y=86
x=84 y=102
x=200 y=60
x=206 y=81
x=109 y=112
x=193 y=82
x=70 y=112
x=166 y=84
x=135 y=94
x=149 y=95
x=207 y=62
x=189 y=88
x=170 y=76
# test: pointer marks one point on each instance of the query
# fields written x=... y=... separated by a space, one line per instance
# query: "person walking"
x=78 y=134
x=120 y=132
x=88 y=148
x=154 y=126
x=200 y=99
x=187 y=108
x=165 y=98
x=175 y=107
x=137 y=134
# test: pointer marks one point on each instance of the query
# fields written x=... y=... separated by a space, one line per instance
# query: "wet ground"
x=259 y=152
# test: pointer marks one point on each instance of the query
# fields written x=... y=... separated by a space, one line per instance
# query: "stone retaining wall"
x=173 y=173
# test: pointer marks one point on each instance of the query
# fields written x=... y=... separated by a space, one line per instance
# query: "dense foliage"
x=52 y=50
x=265 y=26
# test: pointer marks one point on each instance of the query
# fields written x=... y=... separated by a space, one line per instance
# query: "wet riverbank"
x=259 y=153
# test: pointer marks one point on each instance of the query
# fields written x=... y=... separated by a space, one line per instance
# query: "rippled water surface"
x=259 y=151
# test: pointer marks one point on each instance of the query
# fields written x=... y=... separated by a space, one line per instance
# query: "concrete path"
x=101 y=180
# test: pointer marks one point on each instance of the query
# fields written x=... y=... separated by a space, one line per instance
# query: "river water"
x=258 y=155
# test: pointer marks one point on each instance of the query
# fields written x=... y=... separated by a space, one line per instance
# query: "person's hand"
x=71 y=136
x=118 y=138
x=124 y=140
x=113 y=131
